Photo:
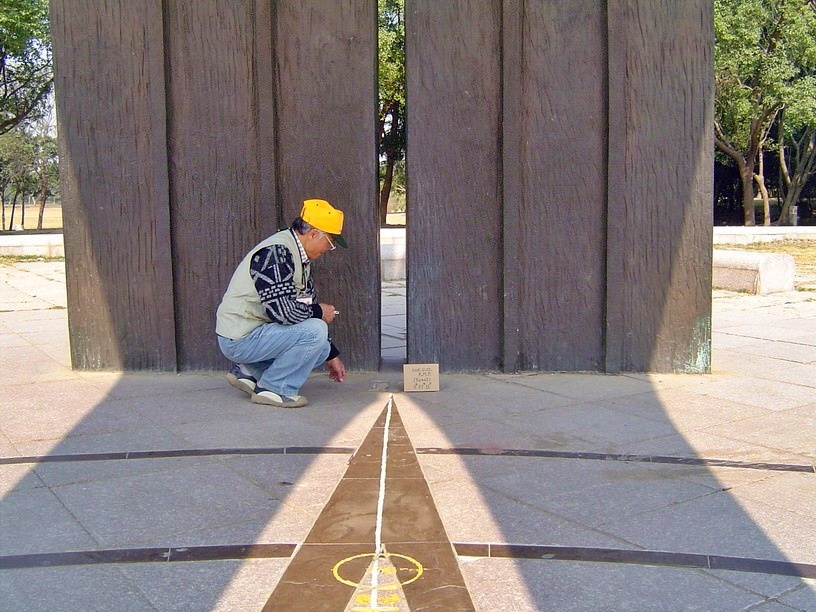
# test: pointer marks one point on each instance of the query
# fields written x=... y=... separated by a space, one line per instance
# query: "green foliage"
x=765 y=68
x=391 y=77
x=765 y=55
x=29 y=165
x=391 y=52
x=26 y=73
x=17 y=155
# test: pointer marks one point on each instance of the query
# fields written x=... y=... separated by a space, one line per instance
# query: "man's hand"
x=328 y=312
x=337 y=371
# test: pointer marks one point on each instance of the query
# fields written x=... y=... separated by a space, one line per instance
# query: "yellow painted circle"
x=336 y=570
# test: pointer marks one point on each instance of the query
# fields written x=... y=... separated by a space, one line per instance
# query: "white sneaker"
x=270 y=398
x=241 y=380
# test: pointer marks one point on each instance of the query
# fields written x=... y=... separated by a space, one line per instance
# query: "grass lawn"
x=52 y=216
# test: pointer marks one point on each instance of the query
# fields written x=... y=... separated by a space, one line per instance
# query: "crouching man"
x=269 y=322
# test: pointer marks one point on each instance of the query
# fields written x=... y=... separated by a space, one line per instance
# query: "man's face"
x=316 y=243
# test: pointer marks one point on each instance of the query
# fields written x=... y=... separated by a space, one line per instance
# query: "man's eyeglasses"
x=331 y=244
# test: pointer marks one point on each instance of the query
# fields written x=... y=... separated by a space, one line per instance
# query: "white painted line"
x=380 y=503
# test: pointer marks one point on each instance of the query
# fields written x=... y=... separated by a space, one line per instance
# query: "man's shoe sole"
x=242 y=384
x=260 y=399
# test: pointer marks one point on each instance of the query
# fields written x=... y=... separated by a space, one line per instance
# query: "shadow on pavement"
x=603 y=483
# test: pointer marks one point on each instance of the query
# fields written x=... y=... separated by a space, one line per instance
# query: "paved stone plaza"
x=555 y=491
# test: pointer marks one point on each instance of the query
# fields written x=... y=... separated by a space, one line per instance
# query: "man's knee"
x=315 y=330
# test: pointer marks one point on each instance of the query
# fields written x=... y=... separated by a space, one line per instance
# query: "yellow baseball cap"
x=325 y=217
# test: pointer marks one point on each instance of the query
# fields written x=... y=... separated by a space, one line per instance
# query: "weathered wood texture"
x=662 y=264
x=113 y=153
x=562 y=206
x=326 y=57
x=560 y=173
x=171 y=169
x=222 y=171
x=588 y=126
x=454 y=230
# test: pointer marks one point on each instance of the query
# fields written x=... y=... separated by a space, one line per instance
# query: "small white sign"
x=421 y=376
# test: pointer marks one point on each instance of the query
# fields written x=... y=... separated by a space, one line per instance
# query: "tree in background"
x=46 y=161
x=29 y=168
x=391 y=76
x=16 y=163
x=797 y=144
x=764 y=62
x=26 y=73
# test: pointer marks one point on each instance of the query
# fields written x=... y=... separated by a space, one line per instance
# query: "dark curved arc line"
x=148 y=555
x=637 y=557
x=175 y=453
x=664 y=459
x=493 y=550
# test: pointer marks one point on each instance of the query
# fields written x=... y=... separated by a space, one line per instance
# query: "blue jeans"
x=280 y=357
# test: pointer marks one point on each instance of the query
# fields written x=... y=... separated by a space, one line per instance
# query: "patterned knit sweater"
x=272 y=269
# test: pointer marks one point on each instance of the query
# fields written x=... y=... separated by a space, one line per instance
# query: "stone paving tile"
x=767 y=585
x=808 y=410
x=53 y=400
x=390 y=342
x=395 y=355
x=700 y=443
x=665 y=381
x=312 y=425
x=144 y=439
x=787 y=431
x=36 y=520
x=474 y=514
x=70 y=419
x=584 y=387
x=589 y=427
x=59 y=474
x=207 y=585
x=475 y=432
x=39 y=366
x=763 y=393
x=611 y=491
x=788 y=330
x=682 y=409
x=393 y=308
x=314 y=473
x=86 y=588
x=10 y=340
x=801 y=598
x=728 y=478
x=395 y=324
x=33 y=321
x=224 y=403
x=287 y=524
x=764 y=368
x=148 y=384
x=463 y=395
x=576 y=586
x=152 y=509
x=720 y=524
x=795 y=492
x=18 y=478
x=722 y=341
x=801 y=349
x=45 y=330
